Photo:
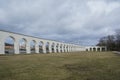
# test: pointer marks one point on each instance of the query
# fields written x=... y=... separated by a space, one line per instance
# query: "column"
x=37 y=48
x=65 y=48
x=28 y=47
x=62 y=48
x=55 y=48
x=44 y=48
x=105 y=48
x=68 y=48
x=59 y=49
x=50 y=48
x=2 y=47
x=92 y=49
x=100 y=49
x=71 y=49
x=16 y=46
x=96 y=49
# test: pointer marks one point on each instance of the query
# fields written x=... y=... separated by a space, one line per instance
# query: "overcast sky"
x=65 y=20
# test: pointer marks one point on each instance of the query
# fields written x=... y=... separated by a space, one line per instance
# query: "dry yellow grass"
x=61 y=66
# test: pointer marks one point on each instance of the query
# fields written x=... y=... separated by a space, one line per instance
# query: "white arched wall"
x=17 y=37
x=96 y=48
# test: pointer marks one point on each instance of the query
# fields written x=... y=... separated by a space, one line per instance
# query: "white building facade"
x=96 y=48
x=52 y=47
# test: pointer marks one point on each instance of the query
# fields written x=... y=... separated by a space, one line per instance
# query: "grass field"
x=61 y=66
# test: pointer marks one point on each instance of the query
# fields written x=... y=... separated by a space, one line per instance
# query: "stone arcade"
x=48 y=46
x=96 y=48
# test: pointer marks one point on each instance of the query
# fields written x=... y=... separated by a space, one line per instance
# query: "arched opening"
x=86 y=49
x=67 y=48
x=9 y=45
x=52 y=46
x=64 y=48
x=103 y=49
x=57 y=48
x=32 y=46
x=61 y=48
x=40 y=47
x=47 y=47
x=90 y=49
x=22 y=45
x=98 y=49
x=94 y=49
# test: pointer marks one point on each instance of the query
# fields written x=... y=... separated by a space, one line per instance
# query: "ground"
x=61 y=66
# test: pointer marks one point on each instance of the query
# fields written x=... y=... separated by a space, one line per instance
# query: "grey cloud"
x=65 y=20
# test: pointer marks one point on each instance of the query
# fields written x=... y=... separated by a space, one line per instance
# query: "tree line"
x=112 y=42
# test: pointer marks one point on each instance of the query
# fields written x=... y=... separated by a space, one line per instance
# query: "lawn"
x=61 y=66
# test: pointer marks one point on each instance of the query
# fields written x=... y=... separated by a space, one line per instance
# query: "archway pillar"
x=50 y=48
x=65 y=48
x=2 y=47
x=96 y=49
x=16 y=46
x=71 y=49
x=105 y=48
x=37 y=48
x=59 y=49
x=55 y=51
x=44 y=48
x=93 y=49
x=68 y=48
x=88 y=49
x=100 y=49
x=28 y=47
x=62 y=48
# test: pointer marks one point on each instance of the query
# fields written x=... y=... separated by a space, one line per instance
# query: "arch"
x=32 y=46
x=61 y=48
x=64 y=47
x=52 y=46
x=98 y=49
x=9 y=45
x=22 y=45
x=57 y=46
x=94 y=49
x=47 y=47
x=67 y=48
x=86 y=49
x=41 y=47
x=90 y=49
x=103 y=49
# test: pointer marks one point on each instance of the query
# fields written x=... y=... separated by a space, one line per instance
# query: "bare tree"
x=118 y=40
x=112 y=42
x=108 y=41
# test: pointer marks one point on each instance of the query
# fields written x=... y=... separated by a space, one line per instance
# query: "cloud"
x=64 y=20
